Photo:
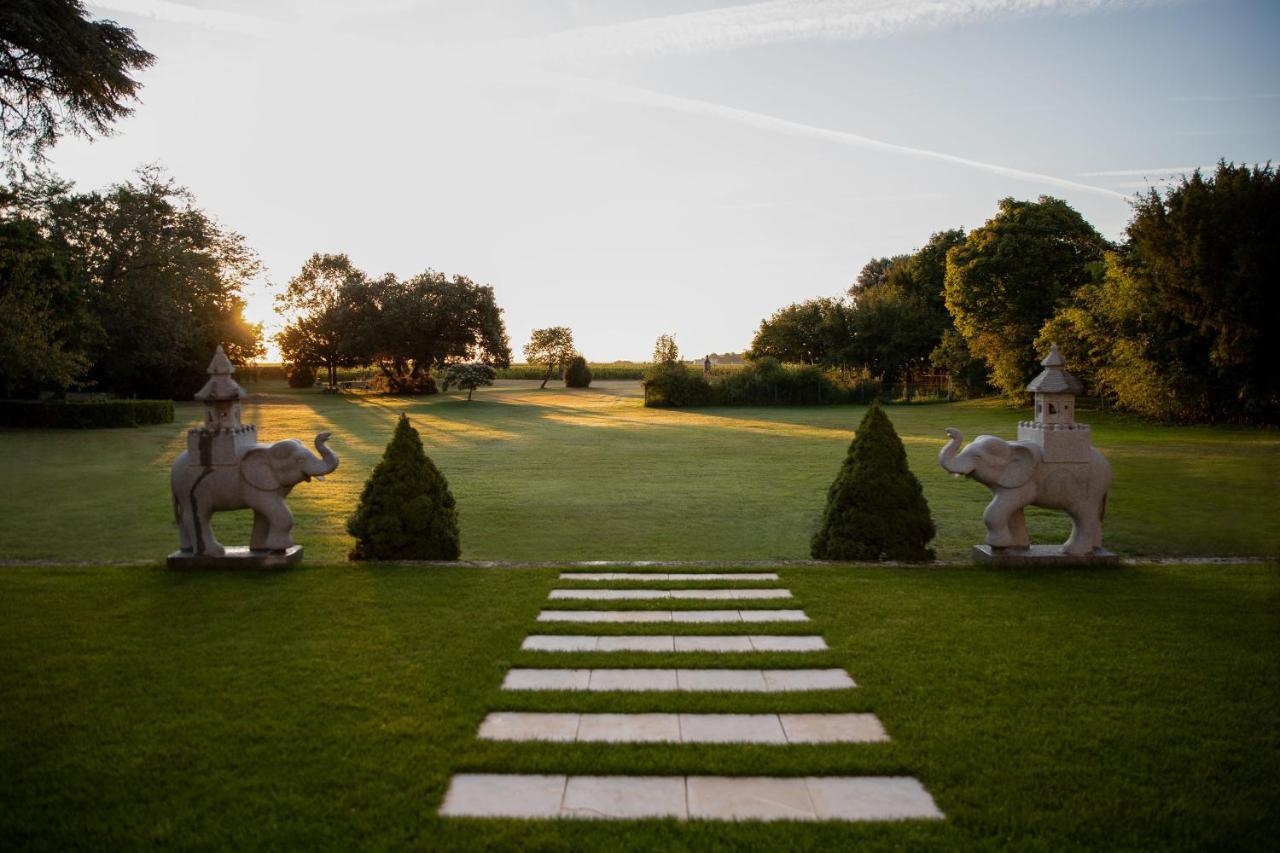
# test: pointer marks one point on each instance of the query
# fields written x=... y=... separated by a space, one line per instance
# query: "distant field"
x=592 y=474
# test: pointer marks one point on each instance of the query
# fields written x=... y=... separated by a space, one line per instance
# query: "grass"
x=326 y=707
x=592 y=474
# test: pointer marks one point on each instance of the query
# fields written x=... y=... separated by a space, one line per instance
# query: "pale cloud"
x=179 y=13
x=776 y=21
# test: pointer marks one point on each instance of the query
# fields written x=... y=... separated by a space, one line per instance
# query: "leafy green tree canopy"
x=161 y=278
x=46 y=325
x=552 y=346
x=469 y=377
x=665 y=351
x=1180 y=326
x=811 y=332
x=1010 y=275
x=321 y=304
x=61 y=73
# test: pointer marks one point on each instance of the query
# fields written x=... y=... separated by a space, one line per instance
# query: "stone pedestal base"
x=236 y=558
x=1042 y=555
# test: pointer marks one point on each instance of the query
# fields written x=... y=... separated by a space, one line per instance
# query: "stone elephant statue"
x=261 y=478
x=1018 y=476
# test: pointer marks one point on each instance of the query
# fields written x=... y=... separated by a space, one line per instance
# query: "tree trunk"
x=547 y=378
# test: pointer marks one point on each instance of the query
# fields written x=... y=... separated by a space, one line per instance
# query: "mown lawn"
x=577 y=475
x=326 y=707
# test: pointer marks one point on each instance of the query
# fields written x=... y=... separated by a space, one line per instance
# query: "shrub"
x=876 y=509
x=96 y=414
x=301 y=375
x=423 y=383
x=469 y=377
x=765 y=382
x=577 y=374
x=406 y=511
x=673 y=384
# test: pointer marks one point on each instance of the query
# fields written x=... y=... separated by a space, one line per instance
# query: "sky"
x=630 y=168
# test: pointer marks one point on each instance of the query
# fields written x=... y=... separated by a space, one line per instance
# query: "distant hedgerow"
x=876 y=509
x=406 y=510
x=577 y=374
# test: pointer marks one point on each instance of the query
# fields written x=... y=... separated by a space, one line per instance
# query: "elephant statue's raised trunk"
x=327 y=462
x=947 y=458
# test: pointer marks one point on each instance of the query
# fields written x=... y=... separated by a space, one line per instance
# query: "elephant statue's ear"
x=257 y=470
x=1023 y=460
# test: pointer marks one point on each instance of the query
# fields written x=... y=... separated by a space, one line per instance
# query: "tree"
x=469 y=377
x=893 y=332
x=46 y=325
x=966 y=374
x=1010 y=275
x=321 y=304
x=168 y=281
x=162 y=277
x=874 y=273
x=552 y=347
x=665 y=351
x=406 y=328
x=876 y=509
x=406 y=511
x=61 y=73
x=811 y=332
x=1179 y=326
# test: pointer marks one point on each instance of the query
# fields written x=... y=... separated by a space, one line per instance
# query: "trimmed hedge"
x=764 y=382
x=94 y=414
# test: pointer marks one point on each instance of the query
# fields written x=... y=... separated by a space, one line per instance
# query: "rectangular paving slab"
x=682 y=728
x=685 y=616
x=668 y=576
x=670 y=643
x=684 y=680
x=675 y=594
x=749 y=798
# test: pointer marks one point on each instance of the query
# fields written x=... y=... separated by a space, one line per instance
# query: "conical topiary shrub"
x=406 y=511
x=876 y=509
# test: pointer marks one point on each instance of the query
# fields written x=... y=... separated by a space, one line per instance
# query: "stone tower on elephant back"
x=1055 y=429
x=222 y=437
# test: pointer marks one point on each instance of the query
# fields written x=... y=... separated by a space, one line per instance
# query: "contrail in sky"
x=645 y=97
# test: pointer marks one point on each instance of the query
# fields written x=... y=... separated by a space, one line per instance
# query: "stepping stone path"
x=738 y=798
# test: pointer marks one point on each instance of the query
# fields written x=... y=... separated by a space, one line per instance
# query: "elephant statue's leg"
x=996 y=517
x=205 y=536
x=1086 y=531
x=279 y=522
x=258 y=539
x=1018 y=529
x=182 y=517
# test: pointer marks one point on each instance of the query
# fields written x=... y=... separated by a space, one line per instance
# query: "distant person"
x=706 y=366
